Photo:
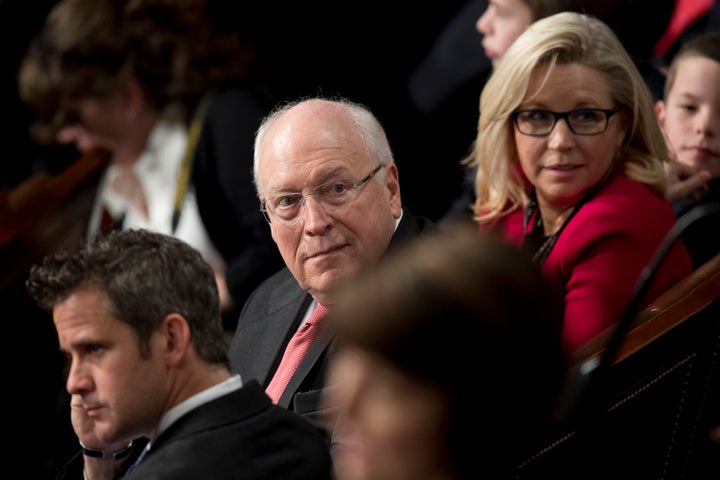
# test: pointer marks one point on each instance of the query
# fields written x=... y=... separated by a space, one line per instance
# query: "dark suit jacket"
x=239 y=435
x=270 y=318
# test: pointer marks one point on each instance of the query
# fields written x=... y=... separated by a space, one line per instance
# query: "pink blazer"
x=600 y=254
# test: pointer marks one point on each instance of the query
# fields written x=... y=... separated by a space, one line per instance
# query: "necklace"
x=535 y=239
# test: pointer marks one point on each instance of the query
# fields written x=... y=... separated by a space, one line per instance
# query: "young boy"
x=690 y=118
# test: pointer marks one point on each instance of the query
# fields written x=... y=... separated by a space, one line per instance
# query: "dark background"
x=366 y=51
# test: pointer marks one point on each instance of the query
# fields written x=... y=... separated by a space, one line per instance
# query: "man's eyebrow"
x=330 y=175
x=80 y=343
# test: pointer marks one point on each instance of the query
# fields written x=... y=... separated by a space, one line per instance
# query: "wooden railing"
x=652 y=412
x=682 y=301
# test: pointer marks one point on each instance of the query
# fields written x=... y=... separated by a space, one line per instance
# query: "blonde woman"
x=569 y=159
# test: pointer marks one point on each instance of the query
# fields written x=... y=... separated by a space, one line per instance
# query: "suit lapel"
x=265 y=329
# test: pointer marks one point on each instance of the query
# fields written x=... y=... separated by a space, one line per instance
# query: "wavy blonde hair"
x=564 y=38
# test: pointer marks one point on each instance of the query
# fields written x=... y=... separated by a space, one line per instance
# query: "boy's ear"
x=660 y=112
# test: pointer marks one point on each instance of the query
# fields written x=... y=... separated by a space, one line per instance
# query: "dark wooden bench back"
x=651 y=416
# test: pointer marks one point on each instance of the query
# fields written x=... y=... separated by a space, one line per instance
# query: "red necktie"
x=295 y=352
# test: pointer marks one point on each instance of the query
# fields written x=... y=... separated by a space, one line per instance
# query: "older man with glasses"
x=329 y=189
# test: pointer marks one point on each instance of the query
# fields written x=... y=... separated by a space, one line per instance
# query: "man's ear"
x=392 y=184
x=176 y=338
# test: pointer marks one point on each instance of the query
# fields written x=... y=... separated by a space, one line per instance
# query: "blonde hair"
x=564 y=38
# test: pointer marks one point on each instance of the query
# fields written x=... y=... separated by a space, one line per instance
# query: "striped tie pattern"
x=295 y=352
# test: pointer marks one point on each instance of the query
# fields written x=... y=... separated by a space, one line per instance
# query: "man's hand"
x=95 y=468
x=83 y=425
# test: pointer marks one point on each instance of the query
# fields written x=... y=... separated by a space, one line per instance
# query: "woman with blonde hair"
x=569 y=159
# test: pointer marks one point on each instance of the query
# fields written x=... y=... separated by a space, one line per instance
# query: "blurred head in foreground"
x=448 y=361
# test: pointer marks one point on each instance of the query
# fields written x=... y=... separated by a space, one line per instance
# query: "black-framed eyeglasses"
x=286 y=208
x=581 y=121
